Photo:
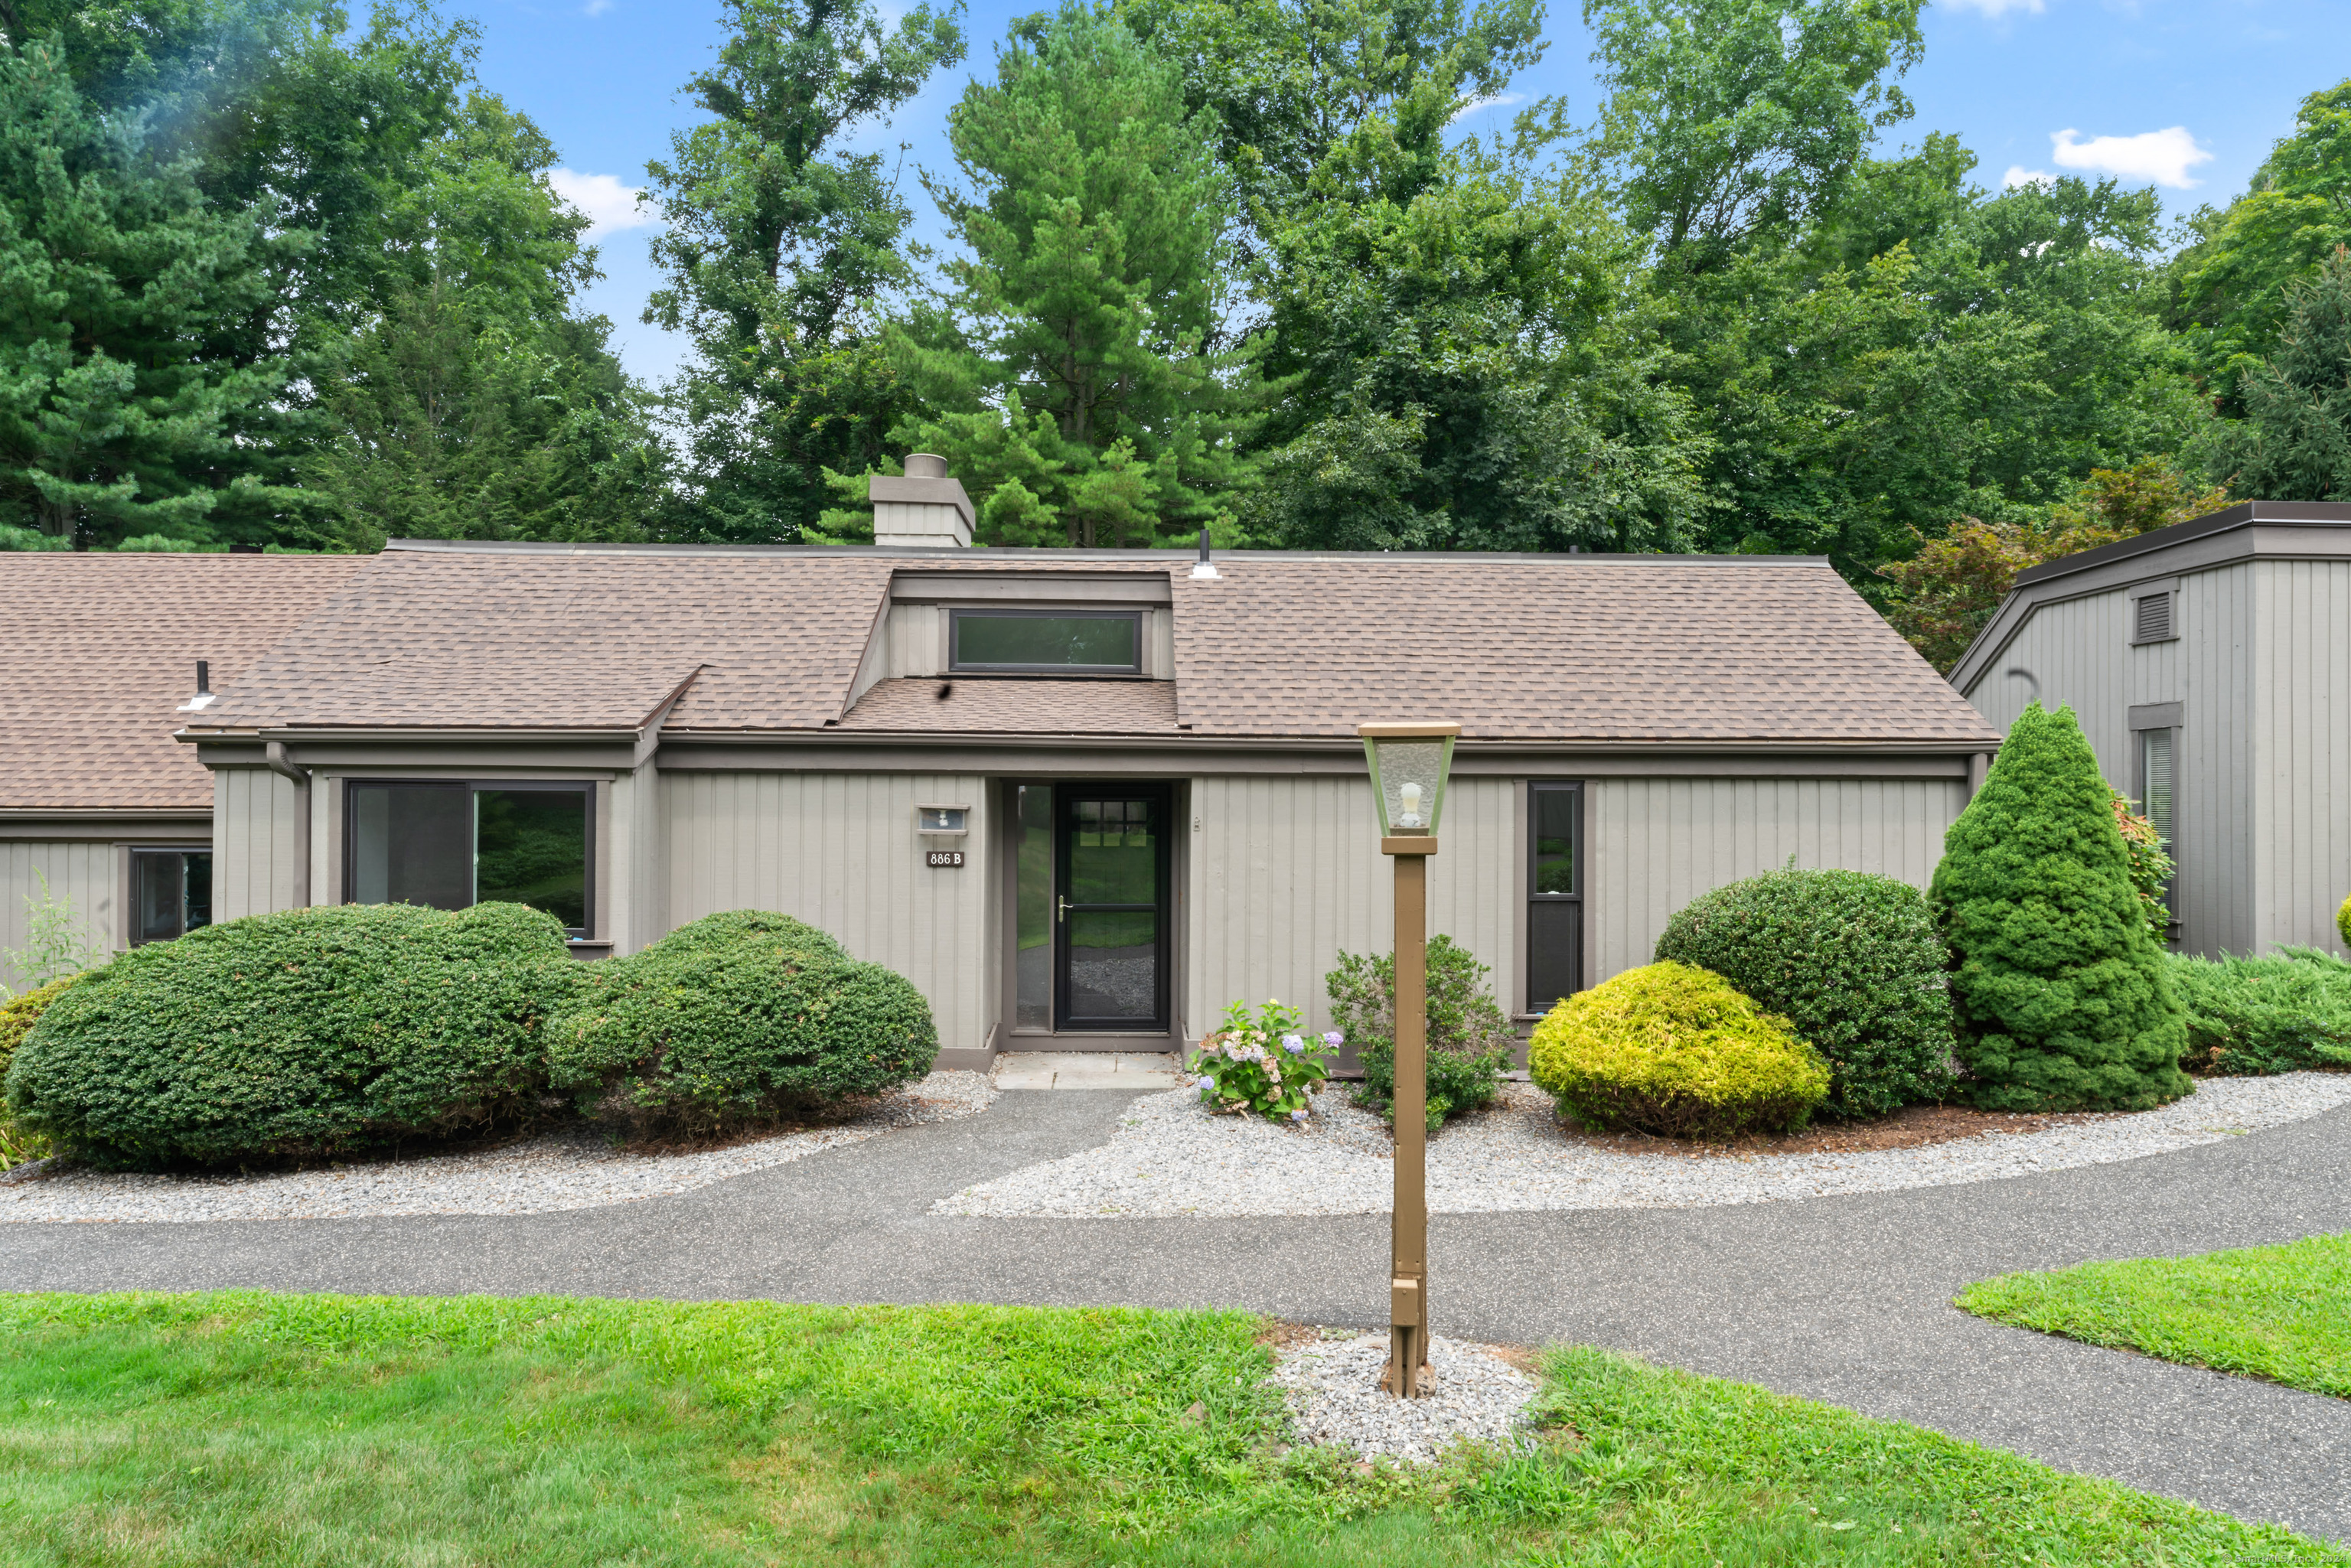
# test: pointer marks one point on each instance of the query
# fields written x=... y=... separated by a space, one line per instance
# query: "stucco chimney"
x=926 y=508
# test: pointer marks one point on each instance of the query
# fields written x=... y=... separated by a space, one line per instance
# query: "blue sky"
x=2186 y=95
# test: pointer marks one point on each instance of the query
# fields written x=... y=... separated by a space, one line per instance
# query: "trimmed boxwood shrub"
x=2265 y=1015
x=298 y=1033
x=737 y=1017
x=1850 y=960
x=1470 y=1040
x=1679 y=1051
x=2060 y=996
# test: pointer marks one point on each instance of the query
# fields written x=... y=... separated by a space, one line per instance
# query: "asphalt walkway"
x=1842 y=1299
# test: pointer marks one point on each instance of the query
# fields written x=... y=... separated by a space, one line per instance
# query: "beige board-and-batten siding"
x=1654 y=844
x=840 y=852
x=255 y=841
x=2301 y=765
x=87 y=876
x=2078 y=654
x=1287 y=872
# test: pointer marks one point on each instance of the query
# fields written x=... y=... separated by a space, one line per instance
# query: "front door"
x=1110 y=924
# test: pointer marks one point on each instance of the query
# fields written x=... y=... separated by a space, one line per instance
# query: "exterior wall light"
x=1409 y=764
x=943 y=822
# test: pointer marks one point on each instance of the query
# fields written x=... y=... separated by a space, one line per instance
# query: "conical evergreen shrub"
x=2061 y=996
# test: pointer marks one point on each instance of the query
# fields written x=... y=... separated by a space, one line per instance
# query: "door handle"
x=1065 y=911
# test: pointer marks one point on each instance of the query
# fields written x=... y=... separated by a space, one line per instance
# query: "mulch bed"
x=1913 y=1127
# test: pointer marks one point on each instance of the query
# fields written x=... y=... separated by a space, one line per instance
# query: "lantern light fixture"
x=1409 y=764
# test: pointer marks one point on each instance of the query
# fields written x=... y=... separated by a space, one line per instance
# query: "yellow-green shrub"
x=2343 y=922
x=1675 y=1051
x=20 y=1012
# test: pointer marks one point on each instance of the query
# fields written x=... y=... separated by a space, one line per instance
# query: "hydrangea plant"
x=1266 y=1064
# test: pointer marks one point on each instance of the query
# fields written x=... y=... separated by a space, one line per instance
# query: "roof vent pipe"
x=927 y=509
x=203 y=697
x=1204 y=566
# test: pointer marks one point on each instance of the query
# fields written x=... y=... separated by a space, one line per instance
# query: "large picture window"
x=1046 y=641
x=1554 y=893
x=170 y=893
x=450 y=845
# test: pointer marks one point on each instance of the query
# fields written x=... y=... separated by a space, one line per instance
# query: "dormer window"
x=1045 y=642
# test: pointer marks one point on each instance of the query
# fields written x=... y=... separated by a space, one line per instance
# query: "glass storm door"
x=1110 y=924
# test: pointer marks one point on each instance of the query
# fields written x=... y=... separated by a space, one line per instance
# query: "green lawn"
x=2279 y=1312
x=257 y=1429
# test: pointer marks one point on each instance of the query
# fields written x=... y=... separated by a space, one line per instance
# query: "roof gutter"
x=274 y=754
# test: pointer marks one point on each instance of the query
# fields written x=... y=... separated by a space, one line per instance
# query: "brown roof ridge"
x=981 y=554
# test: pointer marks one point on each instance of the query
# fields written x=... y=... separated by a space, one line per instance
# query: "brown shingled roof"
x=471 y=638
x=1559 y=648
x=102 y=648
x=1017 y=706
x=1669 y=648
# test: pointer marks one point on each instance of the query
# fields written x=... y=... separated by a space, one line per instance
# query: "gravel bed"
x=1169 y=1156
x=576 y=1168
x=1335 y=1397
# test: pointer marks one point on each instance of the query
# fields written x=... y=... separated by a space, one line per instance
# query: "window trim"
x=1577 y=788
x=2160 y=718
x=584 y=933
x=957 y=614
x=130 y=930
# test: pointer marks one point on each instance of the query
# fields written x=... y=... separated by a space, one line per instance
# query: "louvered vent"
x=2154 y=619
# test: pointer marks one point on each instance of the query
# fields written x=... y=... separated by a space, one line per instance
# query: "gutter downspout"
x=274 y=753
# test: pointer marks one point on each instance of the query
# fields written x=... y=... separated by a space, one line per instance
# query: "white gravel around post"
x=578 y=1168
x=1170 y=1157
x=1335 y=1397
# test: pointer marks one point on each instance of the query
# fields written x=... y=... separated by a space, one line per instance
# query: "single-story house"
x=2209 y=663
x=97 y=801
x=1083 y=798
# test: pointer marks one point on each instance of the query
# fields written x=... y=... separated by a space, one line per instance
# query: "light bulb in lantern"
x=1410 y=795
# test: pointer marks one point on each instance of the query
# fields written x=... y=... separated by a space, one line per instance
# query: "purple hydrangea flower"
x=1292 y=1044
x=1334 y=1039
x=1299 y=1115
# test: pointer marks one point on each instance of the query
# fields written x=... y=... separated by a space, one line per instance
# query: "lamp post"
x=1409 y=763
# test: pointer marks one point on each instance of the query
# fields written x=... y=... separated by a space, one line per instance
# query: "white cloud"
x=596 y=8
x=2018 y=175
x=2162 y=156
x=1996 y=9
x=608 y=204
x=1499 y=100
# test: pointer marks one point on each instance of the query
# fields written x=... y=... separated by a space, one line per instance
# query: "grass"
x=2278 y=1313
x=250 y=1429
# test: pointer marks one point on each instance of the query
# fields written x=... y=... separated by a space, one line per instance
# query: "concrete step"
x=1141 y=1070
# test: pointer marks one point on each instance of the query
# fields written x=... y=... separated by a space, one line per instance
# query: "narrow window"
x=1033 y=900
x=1046 y=641
x=170 y=893
x=1554 y=893
x=2157 y=799
x=452 y=845
x=2153 y=620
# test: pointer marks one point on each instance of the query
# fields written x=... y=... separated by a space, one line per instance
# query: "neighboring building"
x=1083 y=799
x=2209 y=663
x=96 y=797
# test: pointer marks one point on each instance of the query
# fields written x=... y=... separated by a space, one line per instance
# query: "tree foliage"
x=2061 y=996
x=1729 y=121
x=1948 y=591
x=2295 y=444
x=2232 y=289
x=1463 y=360
x=1067 y=373
x=782 y=248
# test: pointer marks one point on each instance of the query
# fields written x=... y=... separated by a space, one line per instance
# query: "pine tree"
x=2060 y=994
x=1074 y=392
x=115 y=419
x=2295 y=441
